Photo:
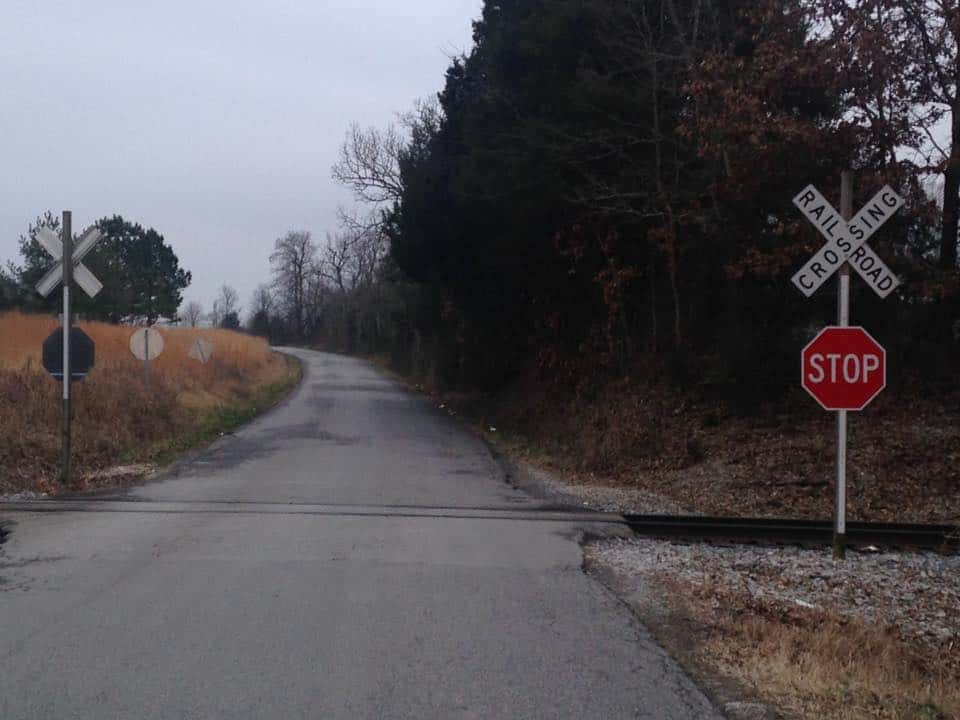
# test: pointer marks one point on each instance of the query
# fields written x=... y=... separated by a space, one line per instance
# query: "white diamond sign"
x=201 y=350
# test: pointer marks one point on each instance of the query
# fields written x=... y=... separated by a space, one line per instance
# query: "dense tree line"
x=602 y=190
x=330 y=293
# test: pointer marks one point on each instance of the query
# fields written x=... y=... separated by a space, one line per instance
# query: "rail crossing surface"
x=353 y=554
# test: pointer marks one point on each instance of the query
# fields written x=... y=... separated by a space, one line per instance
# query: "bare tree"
x=292 y=264
x=228 y=300
x=192 y=313
x=226 y=311
x=359 y=222
x=369 y=164
x=215 y=316
x=262 y=301
x=316 y=300
x=423 y=122
x=934 y=34
x=371 y=159
x=370 y=250
x=351 y=258
x=346 y=301
x=261 y=319
x=336 y=264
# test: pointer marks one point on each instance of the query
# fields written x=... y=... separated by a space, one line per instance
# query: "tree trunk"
x=951 y=199
x=677 y=333
x=654 y=339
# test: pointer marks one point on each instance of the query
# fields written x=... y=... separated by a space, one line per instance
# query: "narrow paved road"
x=353 y=554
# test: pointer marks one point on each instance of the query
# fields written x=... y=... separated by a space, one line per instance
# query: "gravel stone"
x=919 y=593
x=748 y=711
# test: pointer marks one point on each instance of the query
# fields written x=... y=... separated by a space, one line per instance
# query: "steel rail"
x=944 y=538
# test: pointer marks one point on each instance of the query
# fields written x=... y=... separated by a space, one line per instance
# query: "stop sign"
x=844 y=368
x=83 y=354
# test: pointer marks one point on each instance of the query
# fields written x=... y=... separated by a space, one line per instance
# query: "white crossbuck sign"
x=847 y=242
x=84 y=278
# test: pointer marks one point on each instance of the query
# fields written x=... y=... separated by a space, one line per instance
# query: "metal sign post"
x=67 y=230
x=846 y=247
x=67 y=270
x=843 y=320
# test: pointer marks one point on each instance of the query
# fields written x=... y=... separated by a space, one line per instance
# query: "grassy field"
x=121 y=426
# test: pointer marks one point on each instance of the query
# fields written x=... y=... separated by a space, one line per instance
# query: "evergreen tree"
x=141 y=274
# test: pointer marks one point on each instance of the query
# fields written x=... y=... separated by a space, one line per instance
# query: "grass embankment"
x=121 y=426
x=810 y=663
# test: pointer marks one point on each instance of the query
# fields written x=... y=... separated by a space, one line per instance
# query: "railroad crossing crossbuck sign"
x=847 y=241
x=81 y=275
x=844 y=368
x=57 y=357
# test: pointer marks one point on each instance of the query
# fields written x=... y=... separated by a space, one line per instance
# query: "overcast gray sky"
x=214 y=122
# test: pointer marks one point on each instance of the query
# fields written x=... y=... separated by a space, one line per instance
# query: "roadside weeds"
x=225 y=418
x=117 y=440
x=778 y=624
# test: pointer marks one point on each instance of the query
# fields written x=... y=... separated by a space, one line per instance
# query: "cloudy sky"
x=214 y=121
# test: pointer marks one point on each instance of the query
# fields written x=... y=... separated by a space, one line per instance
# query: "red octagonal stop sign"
x=844 y=368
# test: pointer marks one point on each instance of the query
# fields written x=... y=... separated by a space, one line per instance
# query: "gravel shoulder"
x=876 y=636
x=917 y=593
x=779 y=631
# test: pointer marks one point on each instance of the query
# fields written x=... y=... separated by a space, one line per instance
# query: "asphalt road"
x=353 y=554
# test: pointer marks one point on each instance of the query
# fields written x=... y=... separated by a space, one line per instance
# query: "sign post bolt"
x=67 y=231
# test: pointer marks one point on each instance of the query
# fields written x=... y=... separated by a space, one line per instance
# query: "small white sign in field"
x=146 y=344
x=201 y=350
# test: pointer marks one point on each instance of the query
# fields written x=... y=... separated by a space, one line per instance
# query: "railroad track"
x=944 y=538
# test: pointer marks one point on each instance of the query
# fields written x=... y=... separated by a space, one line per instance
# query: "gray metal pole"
x=67 y=229
x=146 y=357
x=843 y=320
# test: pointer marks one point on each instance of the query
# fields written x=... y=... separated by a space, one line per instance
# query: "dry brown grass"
x=117 y=417
x=815 y=664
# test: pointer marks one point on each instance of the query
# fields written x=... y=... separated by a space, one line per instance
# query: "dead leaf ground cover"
x=903 y=463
